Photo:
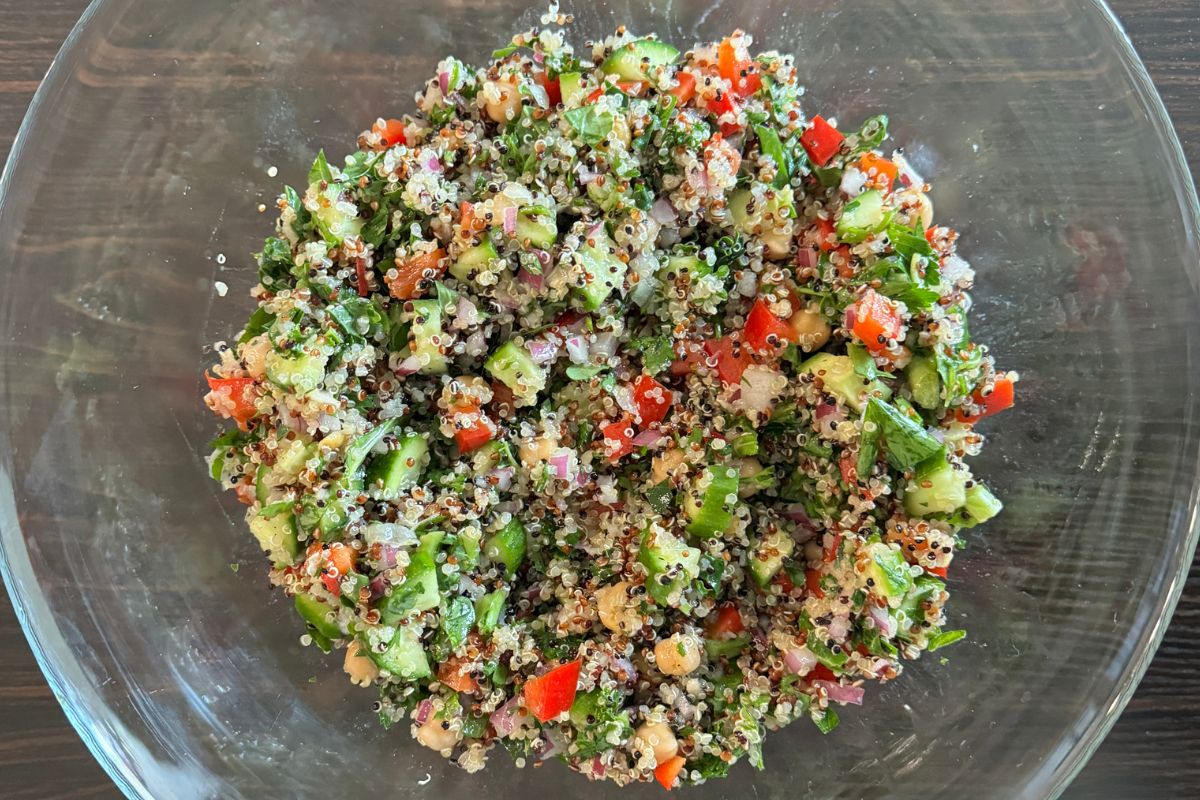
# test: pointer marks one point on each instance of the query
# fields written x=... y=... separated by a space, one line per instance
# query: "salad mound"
x=611 y=408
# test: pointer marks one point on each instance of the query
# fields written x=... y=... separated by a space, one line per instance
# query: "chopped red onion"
x=433 y=164
x=662 y=212
x=504 y=719
x=510 y=220
x=378 y=587
x=597 y=767
x=648 y=438
x=885 y=623
x=839 y=626
x=796 y=513
x=503 y=477
x=800 y=661
x=825 y=410
x=533 y=280
x=387 y=555
x=577 y=349
x=842 y=694
x=560 y=462
x=444 y=82
x=851 y=318
x=806 y=258
x=908 y=175
x=408 y=366
x=541 y=351
x=604 y=345
x=422 y=711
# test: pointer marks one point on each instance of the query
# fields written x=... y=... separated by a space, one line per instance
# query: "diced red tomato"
x=332 y=584
x=391 y=131
x=553 y=90
x=826 y=234
x=688 y=361
x=785 y=582
x=835 y=547
x=1000 y=398
x=728 y=623
x=821 y=141
x=417 y=274
x=725 y=104
x=737 y=68
x=939 y=571
x=821 y=673
x=731 y=360
x=875 y=318
x=653 y=400
x=476 y=433
x=812 y=582
x=885 y=171
x=848 y=468
x=845 y=267
x=360 y=272
x=685 y=88
x=666 y=772
x=451 y=673
x=764 y=332
x=468 y=222
x=232 y=399
x=618 y=439
x=549 y=695
x=628 y=87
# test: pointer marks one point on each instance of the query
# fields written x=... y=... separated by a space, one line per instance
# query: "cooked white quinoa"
x=610 y=408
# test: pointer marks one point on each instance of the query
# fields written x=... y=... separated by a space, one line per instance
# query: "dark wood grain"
x=1151 y=752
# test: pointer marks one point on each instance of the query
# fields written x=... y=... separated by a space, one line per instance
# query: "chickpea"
x=358 y=666
x=437 y=734
x=616 y=611
x=748 y=468
x=254 y=355
x=508 y=104
x=925 y=209
x=677 y=655
x=660 y=739
x=777 y=243
x=537 y=450
x=811 y=329
x=665 y=463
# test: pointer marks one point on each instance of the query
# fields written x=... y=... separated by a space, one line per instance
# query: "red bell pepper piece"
x=391 y=131
x=885 y=171
x=812 y=582
x=725 y=104
x=553 y=90
x=821 y=673
x=1001 y=397
x=728 y=623
x=231 y=400
x=549 y=695
x=685 y=88
x=826 y=234
x=476 y=432
x=821 y=141
x=653 y=400
x=764 y=332
x=875 y=318
x=666 y=772
x=731 y=361
x=416 y=274
x=618 y=439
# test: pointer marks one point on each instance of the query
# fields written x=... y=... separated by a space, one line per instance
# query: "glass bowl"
x=134 y=186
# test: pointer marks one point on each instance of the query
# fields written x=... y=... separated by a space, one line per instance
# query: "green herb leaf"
x=658 y=352
x=660 y=498
x=320 y=170
x=589 y=123
x=375 y=230
x=945 y=638
x=827 y=722
x=583 y=373
x=906 y=440
x=772 y=147
x=258 y=323
x=457 y=621
x=505 y=52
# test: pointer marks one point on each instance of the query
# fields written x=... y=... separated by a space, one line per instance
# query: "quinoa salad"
x=611 y=408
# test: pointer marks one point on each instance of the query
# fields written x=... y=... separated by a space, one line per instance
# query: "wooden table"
x=1154 y=750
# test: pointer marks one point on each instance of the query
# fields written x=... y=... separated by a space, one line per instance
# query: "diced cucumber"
x=767 y=557
x=316 y=614
x=839 y=379
x=405 y=657
x=418 y=592
x=491 y=455
x=937 y=487
x=426 y=335
x=922 y=377
x=889 y=572
x=430 y=543
x=512 y=365
x=507 y=546
x=290 y=461
x=275 y=529
x=726 y=648
x=363 y=444
x=335 y=516
x=300 y=372
x=467 y=548
x=335 y=223
x=782 y=203
x=710 y=501
x=401 y=468
x=910 y=611
x=474 y=260
x=488 y=610
x=861 y=217
x=638 y=61
x=261 y=489
x=603 y=272
x=981 y=505
x=670 y=562
x=536 y=228
x=570 y=85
